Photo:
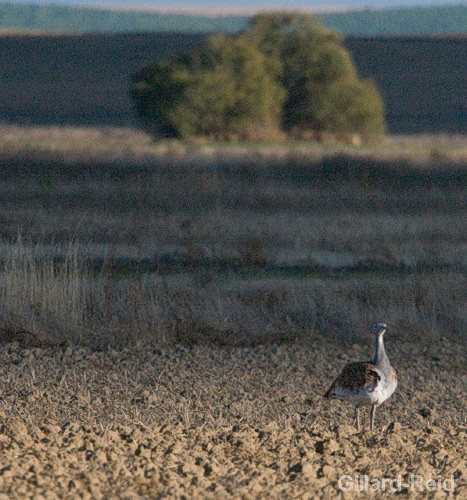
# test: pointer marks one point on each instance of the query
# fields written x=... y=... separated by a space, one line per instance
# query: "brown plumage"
x=354 y=376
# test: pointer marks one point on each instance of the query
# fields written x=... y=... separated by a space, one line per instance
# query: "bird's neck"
x=381 y=358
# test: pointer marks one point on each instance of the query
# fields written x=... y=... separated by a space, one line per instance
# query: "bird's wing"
x=354 y=377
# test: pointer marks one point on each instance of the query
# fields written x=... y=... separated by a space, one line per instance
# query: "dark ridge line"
x=295 y=168
x=169 y=265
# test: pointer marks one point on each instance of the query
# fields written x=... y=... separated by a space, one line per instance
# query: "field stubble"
x=171 y=315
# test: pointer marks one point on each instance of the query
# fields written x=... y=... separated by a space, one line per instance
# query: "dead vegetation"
x=58 y=298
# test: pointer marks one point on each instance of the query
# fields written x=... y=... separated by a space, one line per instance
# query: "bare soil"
x=204 y=422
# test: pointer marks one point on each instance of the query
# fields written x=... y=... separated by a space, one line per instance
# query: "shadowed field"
x=171 y=314
x=290 y=240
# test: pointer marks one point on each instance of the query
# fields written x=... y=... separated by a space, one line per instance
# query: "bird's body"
x=367 y=383
x=362 y=384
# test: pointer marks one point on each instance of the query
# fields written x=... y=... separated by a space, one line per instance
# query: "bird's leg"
x=372 y=417
x=357 y=417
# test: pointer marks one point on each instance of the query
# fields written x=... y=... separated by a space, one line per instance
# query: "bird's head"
x=379 y=329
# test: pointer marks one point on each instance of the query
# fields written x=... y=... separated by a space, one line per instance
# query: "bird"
x=366 y=383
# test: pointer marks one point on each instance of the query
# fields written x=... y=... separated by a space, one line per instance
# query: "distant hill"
x=61 y=19
x=414 y=21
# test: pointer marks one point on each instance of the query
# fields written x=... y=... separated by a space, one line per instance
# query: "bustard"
x=366 y=383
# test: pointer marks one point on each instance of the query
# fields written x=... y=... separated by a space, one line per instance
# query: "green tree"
x=284 y=72
x=226 y=89
x=349 y=110
x=324 y=93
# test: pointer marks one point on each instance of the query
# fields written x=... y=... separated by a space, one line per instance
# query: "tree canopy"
x=224 y=90
x=285 y=72
x=324 y=93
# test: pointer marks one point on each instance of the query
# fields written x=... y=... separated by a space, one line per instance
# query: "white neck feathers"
x=381 y=358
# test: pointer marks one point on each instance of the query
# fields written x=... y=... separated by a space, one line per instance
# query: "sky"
x=216 y=4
